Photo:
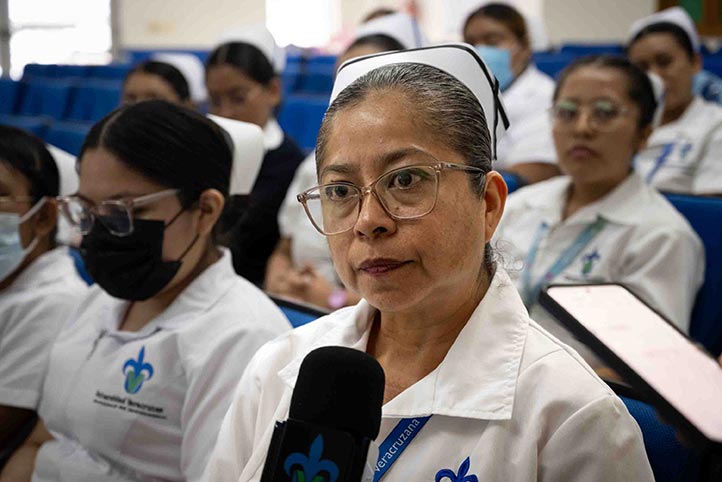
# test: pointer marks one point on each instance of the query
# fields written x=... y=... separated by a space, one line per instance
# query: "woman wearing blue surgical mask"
x=140 y=376
x=500 y=35
x=39 y=286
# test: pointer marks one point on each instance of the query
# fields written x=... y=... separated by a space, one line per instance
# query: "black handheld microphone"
x=334 y=415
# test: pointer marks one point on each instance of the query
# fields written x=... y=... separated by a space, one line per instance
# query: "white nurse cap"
x=675 y=15
x=261 y=38
x=401 y=27
x=192 y=69
x=660 y=92
x=248 y=153
x=456 y=59
x=67 y=172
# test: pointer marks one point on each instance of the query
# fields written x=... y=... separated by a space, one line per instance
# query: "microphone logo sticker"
x=310 y=468
x=136 y=372
x=460 y=476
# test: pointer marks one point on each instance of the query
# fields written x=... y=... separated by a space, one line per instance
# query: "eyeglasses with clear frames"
x=602 y=114
x=116 y=215
x=408 y=192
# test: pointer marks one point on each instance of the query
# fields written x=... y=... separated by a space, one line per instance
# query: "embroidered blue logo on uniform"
x=588 y=261
x=310 y=468
x=136 y=372
x=460 y=476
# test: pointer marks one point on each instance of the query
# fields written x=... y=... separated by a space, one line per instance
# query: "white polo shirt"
x=646 y=244
x=32 y=310
x=147 y=405
x=685 y=156
x=308 y=246
x=529 y=138
x=508 y=397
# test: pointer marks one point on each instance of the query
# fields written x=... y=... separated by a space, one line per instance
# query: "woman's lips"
x=582 y=152
x=380 y=266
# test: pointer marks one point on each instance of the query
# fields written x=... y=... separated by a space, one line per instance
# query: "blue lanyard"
x=660 y=162
x=396 y=442
x=531 y=291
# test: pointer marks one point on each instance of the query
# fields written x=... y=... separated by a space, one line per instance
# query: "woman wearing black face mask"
x=141 y=376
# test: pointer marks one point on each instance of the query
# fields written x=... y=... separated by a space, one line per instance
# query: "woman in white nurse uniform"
x=683 y=154
x=502 y=38
x=601 y=222
x=141 y=375
x=39 y=286
x=498 y=397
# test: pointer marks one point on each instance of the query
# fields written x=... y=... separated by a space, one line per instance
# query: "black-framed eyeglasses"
x=116 y=215
x=408 y=192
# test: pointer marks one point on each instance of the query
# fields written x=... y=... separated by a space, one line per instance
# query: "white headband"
x=248 y=153
x=675 y=15
x=192 y=69
x=261 y=38
x=401 y=27
x=458 y=60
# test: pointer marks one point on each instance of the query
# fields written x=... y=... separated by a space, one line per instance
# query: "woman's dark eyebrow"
x=383 y=160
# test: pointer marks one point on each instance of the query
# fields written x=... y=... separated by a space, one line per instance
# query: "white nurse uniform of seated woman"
x=147 y=405
x=645 y=244
x=508 y=403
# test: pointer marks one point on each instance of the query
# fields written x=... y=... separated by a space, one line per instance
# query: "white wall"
x=197 y=23
x=183 y=23
x=593 y=20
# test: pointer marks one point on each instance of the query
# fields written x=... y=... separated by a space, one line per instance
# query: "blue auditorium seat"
x=592 y=49
x=327 y=61
x=92 y=100
x=713 y=64
x=705 y=216
x=298 y=314
x=289 y=79
x=670 y=460
x=316 y=80
x=34 y=124
x=48 y=97
x=109 y=72
x=72 y=71
x=552 y=63
x=301 y=116
x=9 y=95
x=68 y=136
x=33 y=71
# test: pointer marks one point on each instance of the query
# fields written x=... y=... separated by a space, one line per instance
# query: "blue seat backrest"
x=592 y=49
x=92 y=100
x=301 y=116
x=552 y=63
x=72 y=71
x=68 y=136
x=670 y=460
x=705 y=216
x=298 y=314
x=43 y=71
x=9 y=95
x=36 y=125
x=48 y=97
x=316 y=80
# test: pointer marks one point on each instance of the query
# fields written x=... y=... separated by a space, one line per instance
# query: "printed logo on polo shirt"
x=588 y=261
x=136 y=373
x=461 y=475
x=311 y=468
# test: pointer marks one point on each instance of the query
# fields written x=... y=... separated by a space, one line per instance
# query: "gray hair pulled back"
x=445 y=107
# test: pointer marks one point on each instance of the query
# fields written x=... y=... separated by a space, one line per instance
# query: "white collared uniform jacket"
x=685 y=156
x=147 y=405
x=529 y=138
x=32 y=310
x=507 y=396
x=646 y=244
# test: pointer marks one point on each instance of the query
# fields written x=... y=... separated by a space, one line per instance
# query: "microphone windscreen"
x=340 y=388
